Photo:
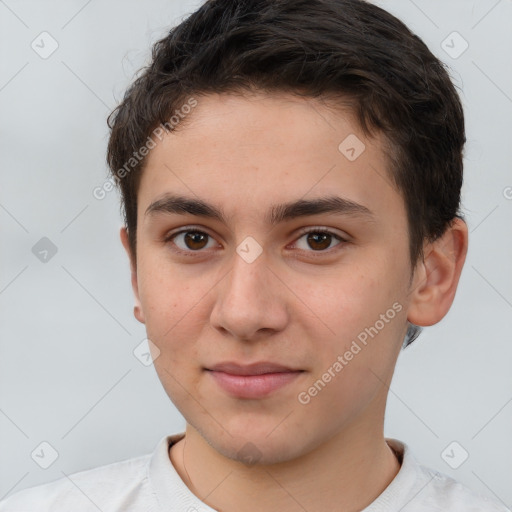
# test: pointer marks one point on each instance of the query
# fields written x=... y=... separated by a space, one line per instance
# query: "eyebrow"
x=278 y=213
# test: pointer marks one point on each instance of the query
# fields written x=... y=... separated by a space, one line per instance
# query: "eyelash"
x=304 y=231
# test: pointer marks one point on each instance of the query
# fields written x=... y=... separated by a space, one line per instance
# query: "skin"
x=244 y=154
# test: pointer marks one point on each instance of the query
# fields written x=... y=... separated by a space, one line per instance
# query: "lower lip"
x=252 y=386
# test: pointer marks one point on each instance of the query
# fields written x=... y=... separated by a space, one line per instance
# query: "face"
x=249 y=285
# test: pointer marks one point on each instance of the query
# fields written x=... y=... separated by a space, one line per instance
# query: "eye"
x=190 y=240
x=319 y=239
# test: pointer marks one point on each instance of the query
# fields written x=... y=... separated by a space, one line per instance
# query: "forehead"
x=243 y=153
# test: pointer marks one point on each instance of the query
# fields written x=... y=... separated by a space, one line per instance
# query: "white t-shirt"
x=150 y=483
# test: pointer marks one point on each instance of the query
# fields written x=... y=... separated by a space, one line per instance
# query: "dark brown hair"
x=328 y=49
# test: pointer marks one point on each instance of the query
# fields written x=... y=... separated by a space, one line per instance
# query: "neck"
x=347 y=472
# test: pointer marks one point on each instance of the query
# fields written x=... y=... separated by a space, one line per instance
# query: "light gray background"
x=68 y=375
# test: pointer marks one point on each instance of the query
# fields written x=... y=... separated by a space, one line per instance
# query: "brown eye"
x=318 y=240
x=190 y=240
x=195 y=239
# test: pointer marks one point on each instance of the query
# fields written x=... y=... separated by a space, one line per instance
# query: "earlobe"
x=437 y=276
x=137 y=309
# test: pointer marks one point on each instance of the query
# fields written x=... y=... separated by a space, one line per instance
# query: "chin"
x=260 y=452
x=254 y=446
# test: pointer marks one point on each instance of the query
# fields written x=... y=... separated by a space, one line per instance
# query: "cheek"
x=165 y=311
x=361 y=314
x=172 y=325
x=165 y=294
x=359 y=350
x=344 y=303
x=175 y=305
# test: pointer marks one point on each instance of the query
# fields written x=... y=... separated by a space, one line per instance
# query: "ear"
x=437 y=276
x=137 y=310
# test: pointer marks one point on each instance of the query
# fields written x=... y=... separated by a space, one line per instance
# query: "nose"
x=251 y=301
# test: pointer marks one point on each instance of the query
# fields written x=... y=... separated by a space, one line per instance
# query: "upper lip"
x=251 y=369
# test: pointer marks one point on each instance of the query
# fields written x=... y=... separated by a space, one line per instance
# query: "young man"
x=290 y=174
